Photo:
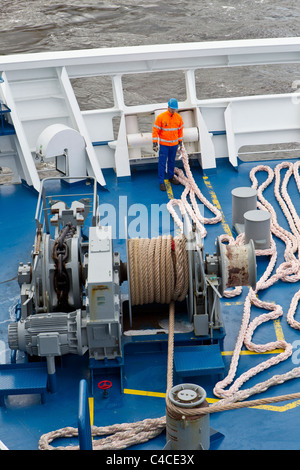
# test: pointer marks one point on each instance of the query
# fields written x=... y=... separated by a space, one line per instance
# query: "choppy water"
x=36 y=26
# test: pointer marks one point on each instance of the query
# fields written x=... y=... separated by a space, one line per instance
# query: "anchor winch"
x=71 y=298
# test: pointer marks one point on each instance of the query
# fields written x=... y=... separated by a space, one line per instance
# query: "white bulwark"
x=38 y=92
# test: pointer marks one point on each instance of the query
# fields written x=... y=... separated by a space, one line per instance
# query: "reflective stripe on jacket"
x=168 y=128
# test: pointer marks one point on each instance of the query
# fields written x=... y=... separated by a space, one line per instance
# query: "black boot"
x=173 y=180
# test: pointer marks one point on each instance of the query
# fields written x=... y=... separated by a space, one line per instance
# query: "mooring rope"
x=179 y=413
x=187 y=209
x=121 y=436
x=288 y=271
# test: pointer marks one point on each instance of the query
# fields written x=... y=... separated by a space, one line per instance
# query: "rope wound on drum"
x=158 y=269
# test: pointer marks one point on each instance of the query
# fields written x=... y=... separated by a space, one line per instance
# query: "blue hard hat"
x=173 y=103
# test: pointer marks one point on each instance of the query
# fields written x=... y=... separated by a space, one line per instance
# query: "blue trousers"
x=167 y=155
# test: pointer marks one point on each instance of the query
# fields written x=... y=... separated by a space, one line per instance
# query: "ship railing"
x=113 y=136
x=63 y=190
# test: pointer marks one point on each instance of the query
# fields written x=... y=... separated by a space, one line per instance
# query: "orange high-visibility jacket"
x=168 y=128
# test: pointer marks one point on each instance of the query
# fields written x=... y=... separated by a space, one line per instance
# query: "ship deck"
x=140 y=393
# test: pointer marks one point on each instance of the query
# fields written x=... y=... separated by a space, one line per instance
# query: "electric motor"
x=49 y=334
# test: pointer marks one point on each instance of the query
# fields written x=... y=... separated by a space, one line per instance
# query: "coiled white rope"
x=192 y=210
x=119 y=436
x=288 y=271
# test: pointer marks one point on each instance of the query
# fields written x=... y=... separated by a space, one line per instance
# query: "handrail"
x=84 y=422
x=148 y=58
x=97 y=125
x=41 y=207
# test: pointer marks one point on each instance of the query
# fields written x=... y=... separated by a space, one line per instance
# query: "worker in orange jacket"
x=168 y=131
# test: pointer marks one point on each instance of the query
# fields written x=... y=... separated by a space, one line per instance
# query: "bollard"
x=184 y=433
x=258 y=228
x=243 y=200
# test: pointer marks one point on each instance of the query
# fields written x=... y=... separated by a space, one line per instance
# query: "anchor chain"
x=60 y=256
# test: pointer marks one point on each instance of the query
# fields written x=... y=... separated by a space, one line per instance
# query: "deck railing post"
x=84 y=423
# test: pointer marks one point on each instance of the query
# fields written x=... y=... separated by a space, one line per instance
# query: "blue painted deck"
x=22 y=379
x=24 y=419
x=204 y=359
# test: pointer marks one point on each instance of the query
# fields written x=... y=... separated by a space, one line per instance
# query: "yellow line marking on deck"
x=217 y=204
x=280 y=409
x=91 y=407
x=228 y=304
x=249 y=353
x=278 y=330
x=169 y=189
x=130 y=391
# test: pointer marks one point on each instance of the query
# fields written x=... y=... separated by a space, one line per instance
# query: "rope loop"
x=288 y=271
x=192 y=210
